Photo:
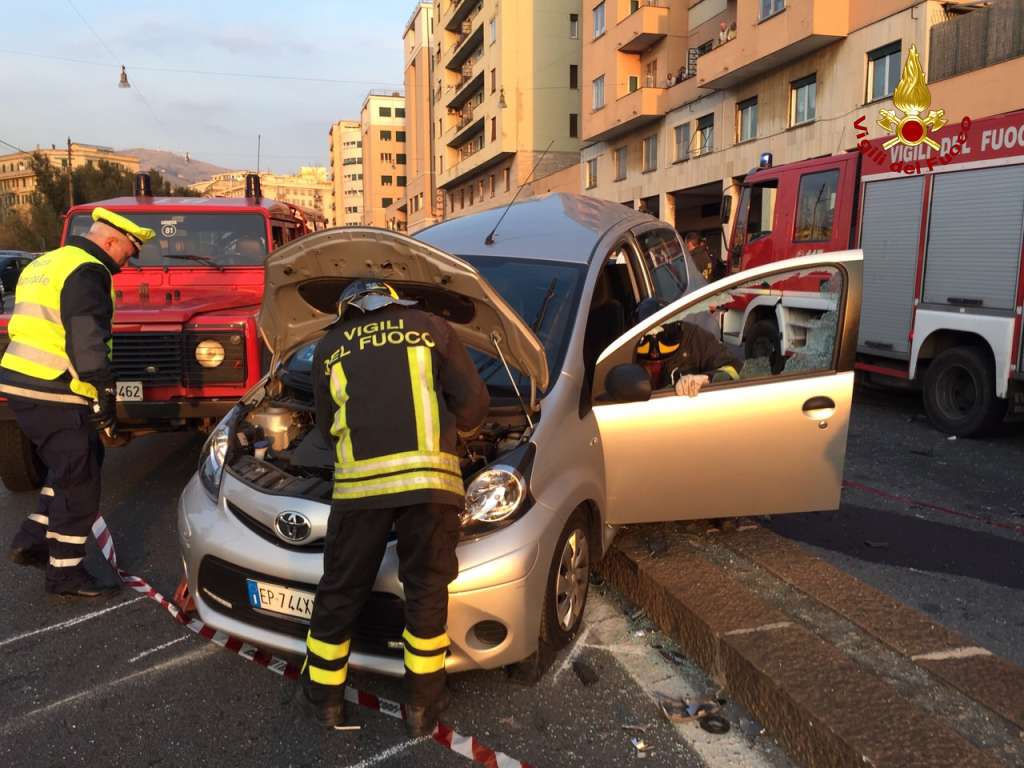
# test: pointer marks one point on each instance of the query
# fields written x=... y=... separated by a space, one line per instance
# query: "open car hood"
x=305 y=278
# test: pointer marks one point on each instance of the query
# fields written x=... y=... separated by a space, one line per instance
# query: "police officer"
x=57 y=378
x=393 y=387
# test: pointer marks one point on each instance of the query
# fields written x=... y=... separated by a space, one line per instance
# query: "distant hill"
x=174 y=168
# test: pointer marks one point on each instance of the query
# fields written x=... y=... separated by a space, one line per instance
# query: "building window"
x=705 y=135
x=386 y=181
x=480 y=187
x=746 y=120
x=598 y=100
x=650 y=153
x=771 y=7
x=384 y=111
x=385 y=135
x=632 y=83
x=471 y=198
x=621 y=158
x=574 y=126
x=592 y=173
x=400 y=158
x=803 y=96
x=816 y=206
x=386 y=201
x=492 y=185
x=462 y=199
x=494 y=80
x=574 y=76
x=704 y=48
x=574 y=26
x=651 y=73
x=507 y=176
x=883 y=71
x=598 y=19
x=681 y=140
x=494 y=129
x=493 y=29
x=399 y=111
x=400 y=181
x=386 y=157
x=399 y=135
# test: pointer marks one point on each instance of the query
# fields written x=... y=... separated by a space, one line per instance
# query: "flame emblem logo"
x=912 y=98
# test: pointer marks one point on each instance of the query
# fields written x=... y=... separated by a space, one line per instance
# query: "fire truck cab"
x=942 y=235
x=185 y=343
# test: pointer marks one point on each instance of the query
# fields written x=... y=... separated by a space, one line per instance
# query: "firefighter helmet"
x=369 y=296
x=660 y=341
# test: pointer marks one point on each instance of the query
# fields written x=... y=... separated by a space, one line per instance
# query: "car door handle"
x=819 y=408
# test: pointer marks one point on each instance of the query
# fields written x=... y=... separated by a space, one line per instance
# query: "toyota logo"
x=293 y=527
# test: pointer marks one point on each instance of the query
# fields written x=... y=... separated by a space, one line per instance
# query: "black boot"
x=32 y=556
x=421 y=719
x=330 y=713
x=80 y=584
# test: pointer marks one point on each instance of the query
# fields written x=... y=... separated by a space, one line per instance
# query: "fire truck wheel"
x=762 y=339
x=20 y=467
x=960 y=393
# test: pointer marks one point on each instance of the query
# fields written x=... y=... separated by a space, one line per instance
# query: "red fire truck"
x=941 y=233
x=185 y=344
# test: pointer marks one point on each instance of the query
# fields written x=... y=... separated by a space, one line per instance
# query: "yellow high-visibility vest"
x=38 y=339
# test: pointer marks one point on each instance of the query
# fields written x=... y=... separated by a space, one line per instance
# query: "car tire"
x=20 y=466
x=762 y=339
x=960 y=393
x=568 y=581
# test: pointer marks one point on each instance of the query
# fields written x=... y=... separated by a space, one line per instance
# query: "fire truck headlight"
x=209 y=353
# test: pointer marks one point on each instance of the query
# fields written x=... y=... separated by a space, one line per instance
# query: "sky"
x=213 y=117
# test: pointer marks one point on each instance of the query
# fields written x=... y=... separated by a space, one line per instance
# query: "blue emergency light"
x=766 y=160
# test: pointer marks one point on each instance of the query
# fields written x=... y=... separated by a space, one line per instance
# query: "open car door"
x=771 y=440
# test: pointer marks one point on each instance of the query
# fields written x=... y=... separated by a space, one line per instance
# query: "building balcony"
x=761 y=45
x=461 y=10
x=463 y=90
x=465 y=48
x=467 y=128
x=646 y=26
x=625 y=114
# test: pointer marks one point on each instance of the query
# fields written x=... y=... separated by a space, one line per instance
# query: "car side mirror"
x=628 y=383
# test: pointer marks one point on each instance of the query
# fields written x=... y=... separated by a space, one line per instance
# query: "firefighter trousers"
x=354 y=547
x=72 y=452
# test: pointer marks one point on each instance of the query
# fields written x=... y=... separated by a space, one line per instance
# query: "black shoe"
x=421 y=720
x=37 y=558
x=330 y=714
x=87 y=587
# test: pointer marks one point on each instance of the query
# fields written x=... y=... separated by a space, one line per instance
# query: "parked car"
x=576 y=442
x=11 y=264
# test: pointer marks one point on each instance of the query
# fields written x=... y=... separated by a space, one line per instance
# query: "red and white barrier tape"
x=466 y=746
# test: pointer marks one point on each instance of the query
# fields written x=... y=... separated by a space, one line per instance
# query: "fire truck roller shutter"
x=974 y=238
x=890 y=235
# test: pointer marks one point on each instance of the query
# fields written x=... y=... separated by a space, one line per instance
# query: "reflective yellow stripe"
x=328 y=676
x=41 y=519
x=424 y=399
x=644 y=348
x=32 y=309
x=34 y=394
x=38 y=356
x=339 y=428
x=396 y=462
x=65 y=562
x=64 y=539
x=732 y=372
x=412 y=481
x=327 y=651
x=667 y=349
x=46 y=491
x=426 y=643
x=423 y=665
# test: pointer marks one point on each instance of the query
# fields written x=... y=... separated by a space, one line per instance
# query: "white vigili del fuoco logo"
x=292 y=526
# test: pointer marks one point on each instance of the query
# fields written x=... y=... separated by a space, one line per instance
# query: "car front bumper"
x=500 y=590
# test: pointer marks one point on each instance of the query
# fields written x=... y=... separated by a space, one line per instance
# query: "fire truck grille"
x=152 y=358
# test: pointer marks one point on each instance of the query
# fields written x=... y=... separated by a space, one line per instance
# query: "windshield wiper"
x=538 y=321
x=194 y=257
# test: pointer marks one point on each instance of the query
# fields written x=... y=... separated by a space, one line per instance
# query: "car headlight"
x=209 y=353
x=499 y=494
x=214 y=455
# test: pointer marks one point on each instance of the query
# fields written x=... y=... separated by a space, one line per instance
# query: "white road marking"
x=762 y=628
x=68 y=623
x=388 y=753
x=144 y=654
x=17 y=723
x=953 y=653
x=570 y=657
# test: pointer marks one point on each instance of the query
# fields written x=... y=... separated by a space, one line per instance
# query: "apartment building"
x=681 y=97
x=18 y=182
x=309 y=188
x=419 y=201
x=382 y=123
x=345 y=140
x=506 y=88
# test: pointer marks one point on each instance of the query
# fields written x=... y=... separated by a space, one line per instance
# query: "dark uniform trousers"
x=70 y=448
x=354 y=547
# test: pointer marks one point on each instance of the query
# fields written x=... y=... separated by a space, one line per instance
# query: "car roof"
x=555 y=227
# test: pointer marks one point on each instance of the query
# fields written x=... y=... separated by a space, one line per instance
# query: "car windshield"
x=544 y=293
x=195 y=239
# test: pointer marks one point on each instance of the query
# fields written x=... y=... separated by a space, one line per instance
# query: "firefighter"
x=393 y=388
x=57 y=378
x=683 y=355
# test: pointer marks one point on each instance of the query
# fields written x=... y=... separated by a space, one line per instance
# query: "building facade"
x=345 y=140
x=309 y=188
x=420 y=199
x=506 y=98
x=382 y=123
x=681 y=98
x=18 y=182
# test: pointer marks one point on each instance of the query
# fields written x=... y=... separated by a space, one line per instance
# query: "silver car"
x=578 y=440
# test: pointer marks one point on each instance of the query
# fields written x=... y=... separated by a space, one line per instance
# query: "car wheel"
x=568 y=582
x=960 y=393
x=20 y=466
x=763 y=340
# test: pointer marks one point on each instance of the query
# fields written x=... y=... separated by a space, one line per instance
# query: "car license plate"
x=278 y=599
x=129 y=391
